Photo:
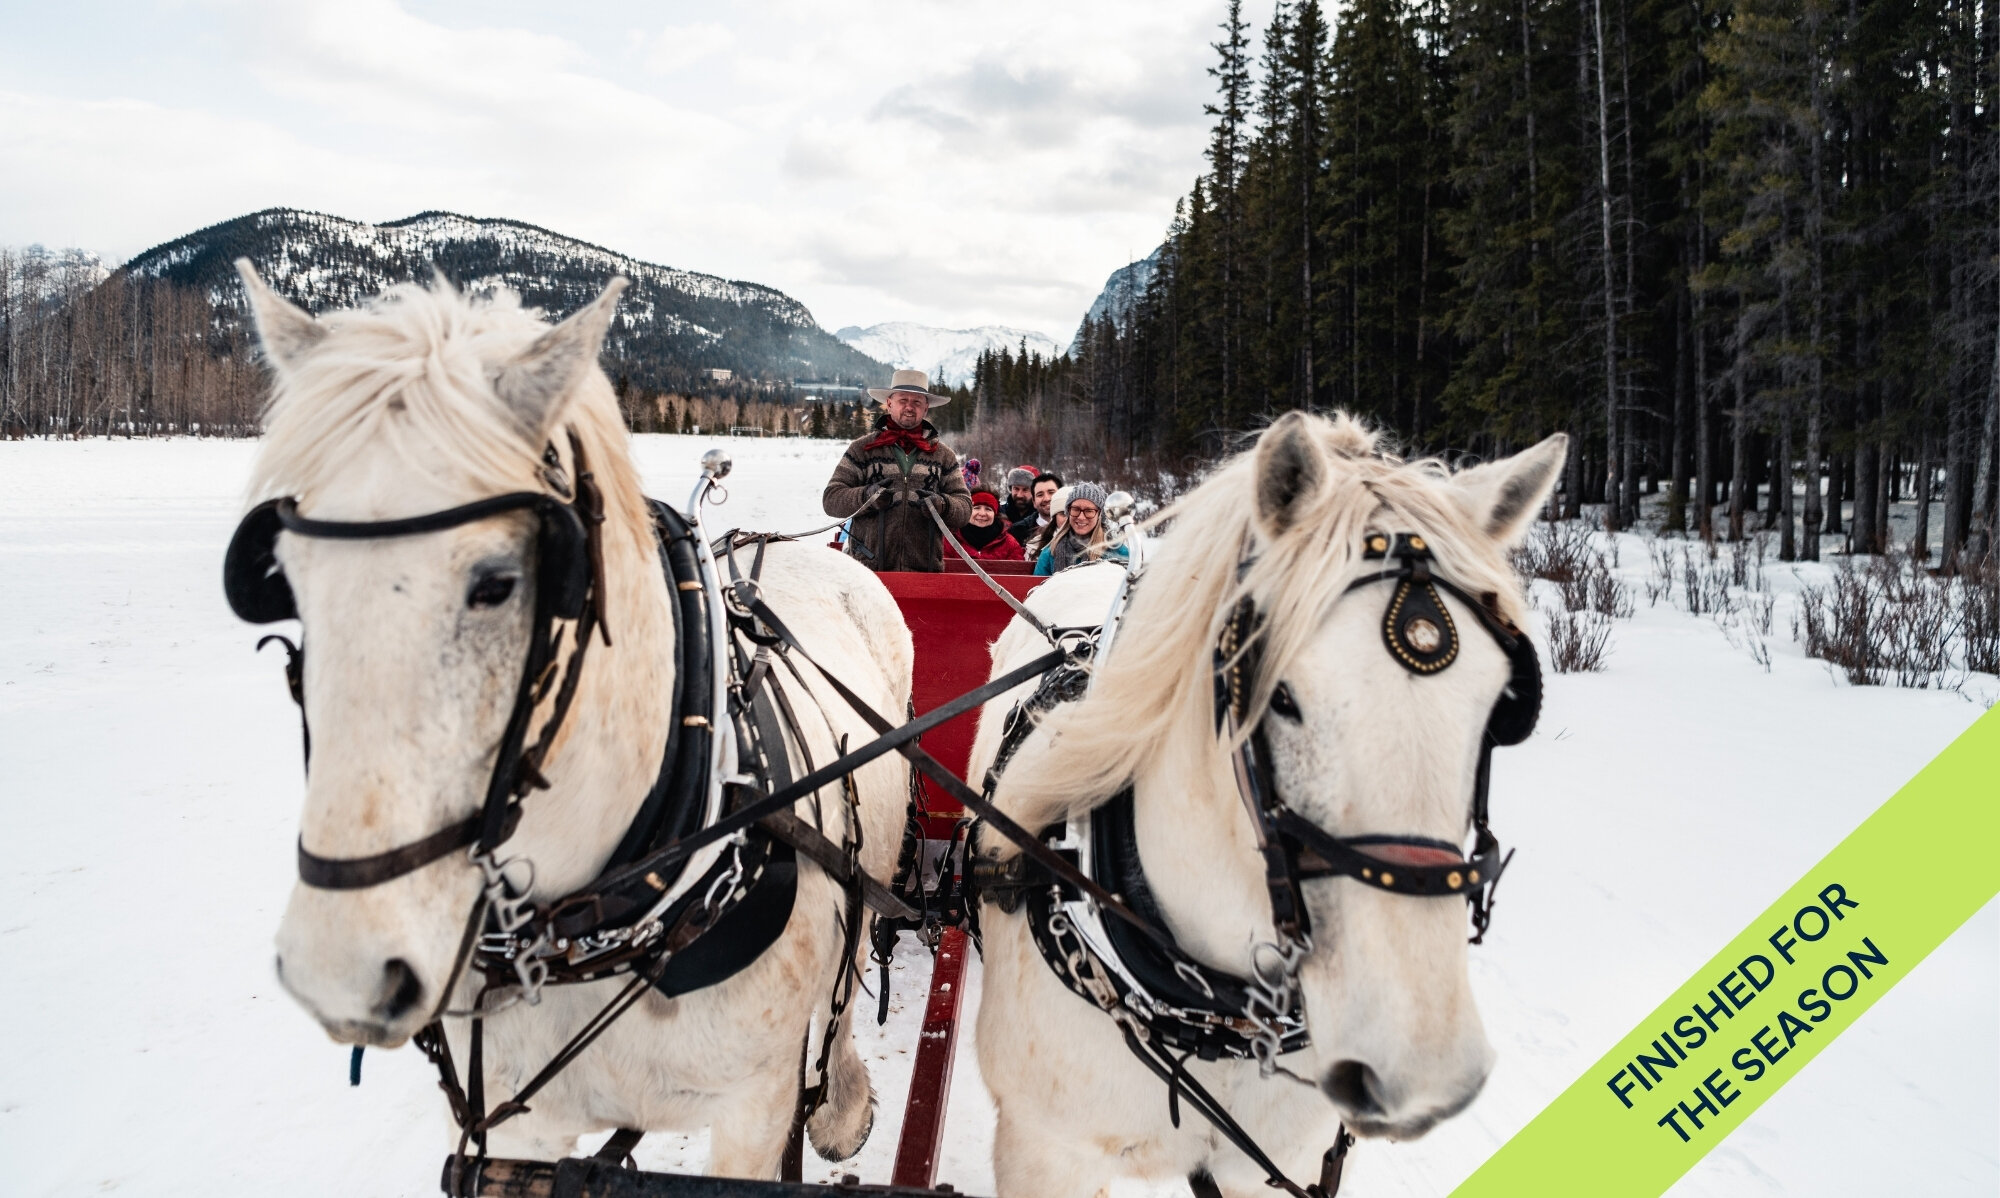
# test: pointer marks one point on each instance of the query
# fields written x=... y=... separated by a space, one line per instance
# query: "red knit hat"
x=985 y=499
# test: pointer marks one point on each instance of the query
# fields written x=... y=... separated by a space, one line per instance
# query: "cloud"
x=897 y=159
x=678 y=46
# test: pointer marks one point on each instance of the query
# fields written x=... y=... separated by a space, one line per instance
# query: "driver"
x=890 y=474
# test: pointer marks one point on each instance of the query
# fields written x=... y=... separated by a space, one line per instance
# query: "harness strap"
x=359 y=873
x=892 y=739
x=1168 y=1070
x=953 y=785
x=618 y=1149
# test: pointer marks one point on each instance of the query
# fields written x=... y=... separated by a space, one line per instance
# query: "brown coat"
x=885 y=488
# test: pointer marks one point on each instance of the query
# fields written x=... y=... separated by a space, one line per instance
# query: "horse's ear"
x=1289 y=471
x=535 y=382
x=1505 y=495
x=286 y=330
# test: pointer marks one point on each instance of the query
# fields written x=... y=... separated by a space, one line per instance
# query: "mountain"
x=1121 y=291
x=948 y=354
x=673 y=325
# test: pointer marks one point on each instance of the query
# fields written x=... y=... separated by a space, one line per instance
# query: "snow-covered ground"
x=149 y=783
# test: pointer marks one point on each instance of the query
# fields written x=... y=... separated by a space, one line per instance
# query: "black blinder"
x=1520 y=705
x=562 y=573
x=252 y=579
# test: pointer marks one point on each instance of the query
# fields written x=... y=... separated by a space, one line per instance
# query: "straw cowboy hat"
x=910 y=380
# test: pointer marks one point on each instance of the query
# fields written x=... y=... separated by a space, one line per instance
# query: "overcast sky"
x=949 y=163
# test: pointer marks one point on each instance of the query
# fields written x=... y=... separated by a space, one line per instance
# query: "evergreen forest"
x=1725 y=244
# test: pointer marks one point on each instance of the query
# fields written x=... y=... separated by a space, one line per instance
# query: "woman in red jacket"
x=986 y=537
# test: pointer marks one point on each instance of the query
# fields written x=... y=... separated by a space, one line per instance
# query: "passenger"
x=889 y=475
x=1083 y=541
x=971 y=474
x=984 y=537
x=1058 y=521
x=1041 y=494
x=1020 y=496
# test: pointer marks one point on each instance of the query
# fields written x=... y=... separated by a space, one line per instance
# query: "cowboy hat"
x=910 y=380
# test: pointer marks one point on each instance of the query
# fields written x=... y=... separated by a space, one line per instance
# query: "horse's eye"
x=1283 y=703
x=491 y=591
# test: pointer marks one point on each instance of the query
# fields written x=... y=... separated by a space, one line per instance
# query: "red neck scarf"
x=910 y=439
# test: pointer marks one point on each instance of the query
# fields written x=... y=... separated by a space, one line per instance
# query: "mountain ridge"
x=949 y=355
x=673 y=325
x=1121 y=292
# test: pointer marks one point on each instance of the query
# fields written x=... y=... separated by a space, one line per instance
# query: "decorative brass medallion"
x=1422 y=635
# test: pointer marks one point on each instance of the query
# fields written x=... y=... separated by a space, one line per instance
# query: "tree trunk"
x=1739 y=465
x=1920 y=488
x=1677 y=455
x=1613 y=517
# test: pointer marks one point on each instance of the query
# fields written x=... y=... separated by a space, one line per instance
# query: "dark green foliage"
x=1743 y=251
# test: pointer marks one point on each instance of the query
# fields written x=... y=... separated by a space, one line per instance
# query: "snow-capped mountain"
x=948 y=354
x=672 y=324
x=1121 y=291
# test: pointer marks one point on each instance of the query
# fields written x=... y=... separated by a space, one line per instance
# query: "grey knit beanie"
x=1090 y=493
x=1020 y=476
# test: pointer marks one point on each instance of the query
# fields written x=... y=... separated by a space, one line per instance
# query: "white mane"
x=1156 y=687
x=410 y=375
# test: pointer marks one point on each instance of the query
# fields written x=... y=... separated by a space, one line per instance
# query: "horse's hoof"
x=832 y=1147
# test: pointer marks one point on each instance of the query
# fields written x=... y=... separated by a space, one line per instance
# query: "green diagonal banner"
x=1798 y=976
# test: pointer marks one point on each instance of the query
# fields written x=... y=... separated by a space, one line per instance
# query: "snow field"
x=149 y=784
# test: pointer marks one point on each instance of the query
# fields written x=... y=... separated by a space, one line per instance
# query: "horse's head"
x=416 y=643
x=1368 y=737
x=1365 y=735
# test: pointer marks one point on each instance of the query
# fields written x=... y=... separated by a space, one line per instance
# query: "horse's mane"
x=410 y=375
x=1155 y=693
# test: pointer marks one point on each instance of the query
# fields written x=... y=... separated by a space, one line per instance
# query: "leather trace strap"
x=955 y=786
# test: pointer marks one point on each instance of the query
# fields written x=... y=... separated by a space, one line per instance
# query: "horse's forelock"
x=1156 y=689
x=407 y=375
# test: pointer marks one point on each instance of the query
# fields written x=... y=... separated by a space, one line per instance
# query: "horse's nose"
x=1355 y=1088
x=400 y=990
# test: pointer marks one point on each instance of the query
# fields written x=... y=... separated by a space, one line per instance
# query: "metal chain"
x=1272 y=994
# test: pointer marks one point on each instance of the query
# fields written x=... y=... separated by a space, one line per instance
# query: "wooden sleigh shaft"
x=587 y=1177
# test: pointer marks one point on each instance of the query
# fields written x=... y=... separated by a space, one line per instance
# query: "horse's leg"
x=753 y=1123
x=1030 y=1163
x=841 y=1125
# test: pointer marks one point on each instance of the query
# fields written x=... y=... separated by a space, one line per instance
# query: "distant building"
x=720 y=375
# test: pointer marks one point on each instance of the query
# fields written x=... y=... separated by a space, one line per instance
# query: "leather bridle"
x=570 y=587
x=1419 y=633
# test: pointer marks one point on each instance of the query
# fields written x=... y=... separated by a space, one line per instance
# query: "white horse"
x=423 y=401
x=1360 y=746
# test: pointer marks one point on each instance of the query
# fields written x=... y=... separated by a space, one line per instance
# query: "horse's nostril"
x=401 y=991
x=1355 y=1087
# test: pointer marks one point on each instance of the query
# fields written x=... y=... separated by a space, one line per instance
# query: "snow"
x=948 y=354
x=152 y=782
